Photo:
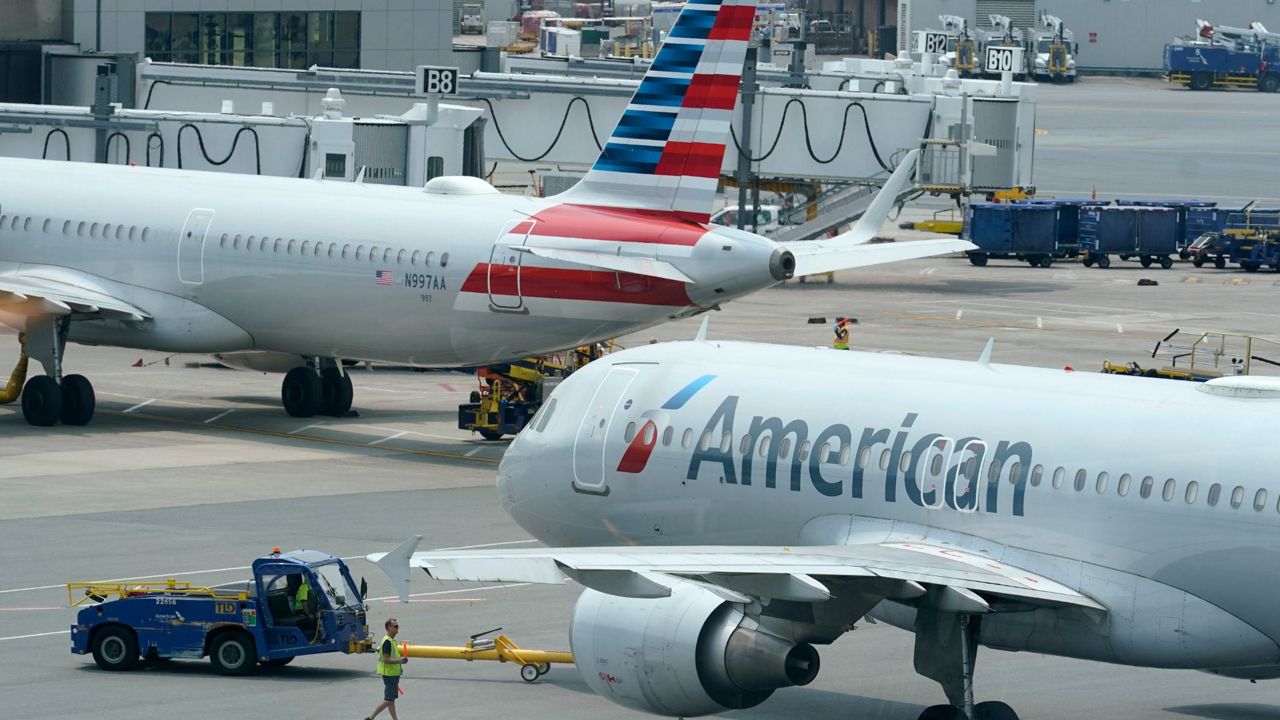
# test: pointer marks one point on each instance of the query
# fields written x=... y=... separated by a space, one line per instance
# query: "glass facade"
x=295 y=40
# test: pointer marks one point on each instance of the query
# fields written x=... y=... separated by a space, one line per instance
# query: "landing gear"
x=49 y=398
x=946 y=650
x=307 y=392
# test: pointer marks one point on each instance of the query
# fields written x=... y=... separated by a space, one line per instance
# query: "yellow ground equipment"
x=1209 y=355
x=533 y=663
x=510 y=393
x=13 y=390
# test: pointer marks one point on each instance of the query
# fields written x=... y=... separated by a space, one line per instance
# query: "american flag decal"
x=384 y=277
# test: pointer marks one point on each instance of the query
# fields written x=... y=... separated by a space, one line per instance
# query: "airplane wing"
x=60 y=293
x=850 y=249
x=968 y=581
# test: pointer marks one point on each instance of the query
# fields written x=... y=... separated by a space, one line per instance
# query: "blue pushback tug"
x=264 y=621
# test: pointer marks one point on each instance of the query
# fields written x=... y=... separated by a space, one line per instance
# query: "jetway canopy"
x=847 y=132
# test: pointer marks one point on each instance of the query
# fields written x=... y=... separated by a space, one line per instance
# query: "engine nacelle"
x=688 y=654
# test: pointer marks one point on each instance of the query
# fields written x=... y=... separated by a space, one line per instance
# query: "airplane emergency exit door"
x=191 y=246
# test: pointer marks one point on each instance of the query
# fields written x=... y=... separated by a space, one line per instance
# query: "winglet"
x=985 y=357
x=872 y=220
x=702 y=329
x=396 y=565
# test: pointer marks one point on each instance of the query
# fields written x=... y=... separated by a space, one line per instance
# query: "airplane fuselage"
x=1155 y=498
x=339 y=270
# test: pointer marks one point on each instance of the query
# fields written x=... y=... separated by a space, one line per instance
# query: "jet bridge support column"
x=744 y=143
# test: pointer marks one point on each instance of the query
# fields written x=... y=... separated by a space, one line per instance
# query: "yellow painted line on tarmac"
x=312 y=438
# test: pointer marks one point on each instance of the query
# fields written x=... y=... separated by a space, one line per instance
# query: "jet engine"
x=685 y=655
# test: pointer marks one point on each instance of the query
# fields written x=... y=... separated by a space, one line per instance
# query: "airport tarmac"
x=191 y=472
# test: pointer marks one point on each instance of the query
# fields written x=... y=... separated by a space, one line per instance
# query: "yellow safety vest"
x=842 y=338
x=301 y=597
x=394 y=668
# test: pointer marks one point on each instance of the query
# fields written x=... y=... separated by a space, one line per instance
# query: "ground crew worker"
x=841 y=329
x=390 y=661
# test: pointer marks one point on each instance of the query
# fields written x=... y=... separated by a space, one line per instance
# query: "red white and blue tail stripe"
x=667 y=150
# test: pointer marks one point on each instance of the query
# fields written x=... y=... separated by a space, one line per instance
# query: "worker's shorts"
x=390 y=687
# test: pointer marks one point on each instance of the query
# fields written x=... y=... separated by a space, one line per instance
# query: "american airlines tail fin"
x=666 y=152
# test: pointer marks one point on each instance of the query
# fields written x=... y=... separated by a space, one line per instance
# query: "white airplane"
x=728 y=506
x=304 y=274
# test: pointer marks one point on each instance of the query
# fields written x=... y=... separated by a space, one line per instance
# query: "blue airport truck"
x=265 y=621
x=1202 y=67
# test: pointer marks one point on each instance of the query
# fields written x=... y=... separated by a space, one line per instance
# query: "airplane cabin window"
x=884 y=459
x=386 y=255
x=1145 y=490
x=82 y=228
x=667 y=435
x=133 y=232
x=993 y=472
x=1037 y=474
x=293 y=246
x=1082 y=476
x=784 y=447
x=686 y=438
x=346 y=251
x=93 y=230
x=277 y=247
x=649 y=433
x=704 y=442
x=430 y=258
x=629 y=433
x=845 y=452
x=13 y=224
x=1215 y=491
x=1122 y=487
x=802 y=452
x=744 y=447
x=106 y=231
x=1237 y=496
x=66 y=228
x=26 y=224
x=905 y=461
x=1058 y=476
x=417 y=255
x=120 y=232
x=146 y=234
x=1260 y=499
x=306 y=248
x=1170 y=487
x=47 y=224
x=444 y=259
x=1103 y=477
x=331 y=249
x=764 y=446
x=726 y=440
x=1193 y=488
x=359 y=252
x=1015 y=473
x=400 y=256
x=2 y=220
x=863 y=456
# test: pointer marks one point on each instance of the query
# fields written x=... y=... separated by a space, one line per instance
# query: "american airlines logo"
x=637 y=454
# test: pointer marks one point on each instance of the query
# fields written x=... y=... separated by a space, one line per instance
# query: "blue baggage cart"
x=1068 y=221
x=1189 y=227
x=1158 y=233
x=1026 y=232
x=1107 y=231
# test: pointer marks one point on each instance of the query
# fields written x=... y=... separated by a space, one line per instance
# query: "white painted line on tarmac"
x=304 y=428
x=1119 y=328
x=472 y=452
x=959 y=314
x=219 y=416
x=402 y=433
x=62 y=586
x=1040 y=323
x=36 y=635
x=140 y=405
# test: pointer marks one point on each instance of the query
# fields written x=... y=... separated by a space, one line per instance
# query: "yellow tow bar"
x=533 y=663
x=13 y=390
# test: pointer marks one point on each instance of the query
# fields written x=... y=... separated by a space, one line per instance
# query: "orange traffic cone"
x=137 y=363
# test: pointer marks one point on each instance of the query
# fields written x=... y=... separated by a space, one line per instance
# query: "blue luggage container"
x=1187 y=233
x=1026 y=232
x=1106 y=231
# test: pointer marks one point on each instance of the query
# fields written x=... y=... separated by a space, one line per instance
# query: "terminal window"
x=294 y=40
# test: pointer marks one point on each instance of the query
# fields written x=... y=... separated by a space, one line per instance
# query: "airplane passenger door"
x=506 y=261
x=191 y=246
x=589 y=446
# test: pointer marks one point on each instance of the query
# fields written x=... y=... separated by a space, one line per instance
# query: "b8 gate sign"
x=1003 y=60
x=434 y=80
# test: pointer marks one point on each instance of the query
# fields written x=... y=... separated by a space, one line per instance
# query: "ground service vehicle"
x=266 y=621
x=1224 y=57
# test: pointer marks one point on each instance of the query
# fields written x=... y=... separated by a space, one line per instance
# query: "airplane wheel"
x=942 y=712
x=115 y=648
x=338 y=392
x=1166 y=262
x=302 y=392
x=78 y=400
x=993 y=710
x=529 y=673
x=42 y=401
